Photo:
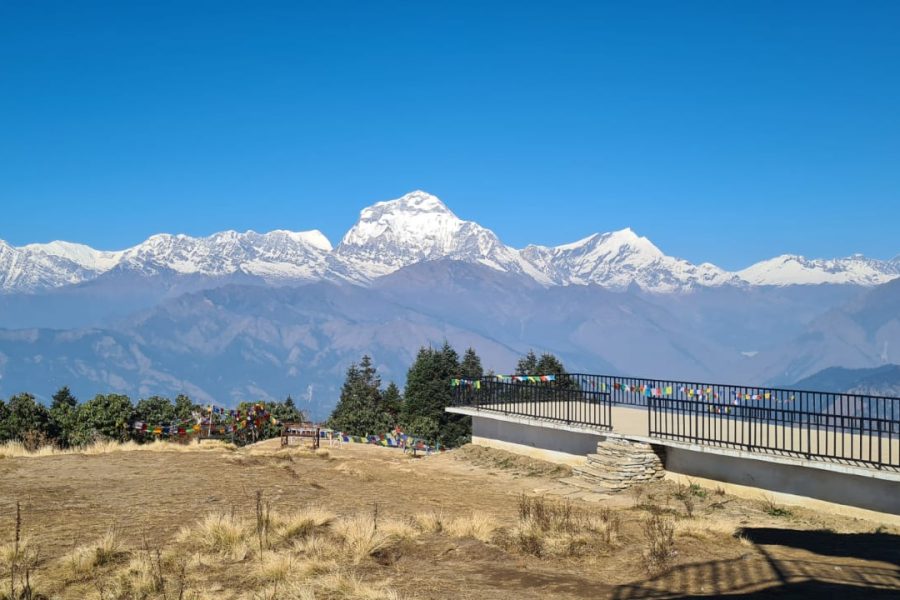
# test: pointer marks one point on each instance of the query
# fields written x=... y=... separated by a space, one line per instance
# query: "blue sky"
x=724 y=131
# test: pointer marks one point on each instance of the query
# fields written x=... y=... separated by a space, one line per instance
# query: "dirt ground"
x=728 y=545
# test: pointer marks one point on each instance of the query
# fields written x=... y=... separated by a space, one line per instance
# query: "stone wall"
x=619 y=463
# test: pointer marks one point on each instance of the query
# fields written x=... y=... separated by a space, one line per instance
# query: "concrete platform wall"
x=794 y=482
x=553 y=445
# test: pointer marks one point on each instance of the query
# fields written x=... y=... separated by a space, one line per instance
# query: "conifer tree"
x=360 y=410
x=470 y=367
x=527 y=365
x=64 y=416
x=428 y=393
x=392 y=401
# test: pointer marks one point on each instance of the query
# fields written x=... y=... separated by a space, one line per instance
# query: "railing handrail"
x=732 y=385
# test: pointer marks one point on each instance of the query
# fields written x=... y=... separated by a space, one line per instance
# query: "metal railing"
x=548 y=400
x=850 y=428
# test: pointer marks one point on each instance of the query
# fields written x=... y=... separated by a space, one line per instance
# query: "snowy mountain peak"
x=81 y=254
x=619 y=259
x=417 y=227
x=416 y=201
x=792 y=269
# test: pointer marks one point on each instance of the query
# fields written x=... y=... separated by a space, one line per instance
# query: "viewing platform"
x=804 y=446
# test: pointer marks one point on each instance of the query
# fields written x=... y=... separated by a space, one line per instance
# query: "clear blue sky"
x=723 y=131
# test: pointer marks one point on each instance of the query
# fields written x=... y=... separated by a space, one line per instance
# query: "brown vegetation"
x=367 y=522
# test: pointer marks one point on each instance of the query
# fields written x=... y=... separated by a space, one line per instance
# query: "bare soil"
x=728 y=546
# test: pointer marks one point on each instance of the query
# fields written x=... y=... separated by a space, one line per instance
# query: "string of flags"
x=390 y=440
x=476 y=383
x=700 y=393
x=230 y=421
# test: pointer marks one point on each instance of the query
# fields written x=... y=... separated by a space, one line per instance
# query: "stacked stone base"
x=618 y=464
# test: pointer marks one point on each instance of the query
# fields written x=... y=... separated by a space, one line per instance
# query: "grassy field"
x=189 y=522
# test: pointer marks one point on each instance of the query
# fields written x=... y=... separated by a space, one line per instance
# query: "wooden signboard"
x=299 y=432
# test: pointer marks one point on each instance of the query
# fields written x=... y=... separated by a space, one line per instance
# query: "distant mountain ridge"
x=876 y=381
x=415 y=228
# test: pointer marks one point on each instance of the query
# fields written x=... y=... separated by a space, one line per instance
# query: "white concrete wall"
x=845 y=488
x=554 y=445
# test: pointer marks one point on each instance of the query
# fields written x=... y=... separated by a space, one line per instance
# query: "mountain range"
x=414 y=228
x=246 y=316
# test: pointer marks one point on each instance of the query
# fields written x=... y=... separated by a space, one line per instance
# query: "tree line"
x=365 y=409
x=68 y=422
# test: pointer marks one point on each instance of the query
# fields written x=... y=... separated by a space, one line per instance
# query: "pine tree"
x=527 y=364
x=64 y=416
x=392 y=401
x=360 y=410
x=470 y=367
x=428 y=393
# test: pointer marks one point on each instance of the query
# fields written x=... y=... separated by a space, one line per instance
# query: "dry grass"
x=475 y=525
x=510 y=543
x=219 y=533
x=659 y=533
x=300 y=523
x=559 y=529
x=15 y=449
x=429 y=522
x=84 y=561
x=360 y=537
x=704 y=529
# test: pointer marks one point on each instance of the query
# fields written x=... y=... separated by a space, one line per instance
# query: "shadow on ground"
x=787 y=564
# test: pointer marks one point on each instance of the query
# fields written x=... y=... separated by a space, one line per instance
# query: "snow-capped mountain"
x=419 y=227
x=619 y=259
x=95 y=261
x=275 y=256
x=30 y=270
x=397 y=233
x=789 y=269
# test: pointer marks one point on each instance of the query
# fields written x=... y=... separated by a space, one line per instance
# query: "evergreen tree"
x=470 y=367
x=392 y=402
x=287 y=411
x=547 y=364
x=527 y=365
x=360 y=410
x=64 y=416
x=428 y=393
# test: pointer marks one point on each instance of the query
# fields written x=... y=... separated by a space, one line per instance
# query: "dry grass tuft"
x=429 y=522
x=704 y=529
x=476 y=525
x=84 y=561
x=275 y=567
x=342 y=584
x=560 y=529
x=219 y=533
x=360 y=537
x=301 y=523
